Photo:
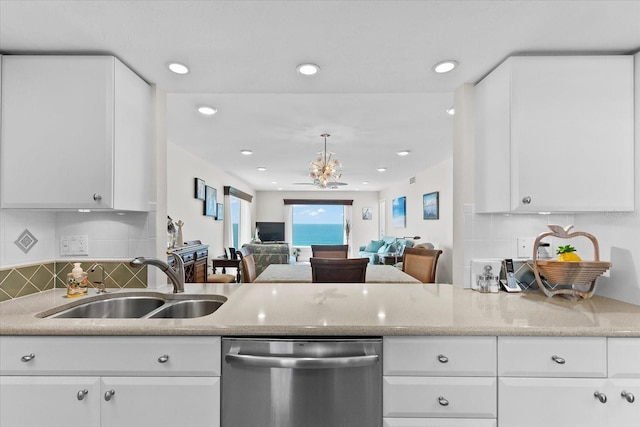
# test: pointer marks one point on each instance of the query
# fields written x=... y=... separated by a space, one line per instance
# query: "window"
x=235 y=221
x=318 y=225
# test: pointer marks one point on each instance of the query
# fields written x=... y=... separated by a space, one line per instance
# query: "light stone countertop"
x=346 y=309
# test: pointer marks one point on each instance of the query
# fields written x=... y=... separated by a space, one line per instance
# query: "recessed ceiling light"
x=445 y=66
x=262 y=168
x=274 y=182
x=246 y=152
x=178 y=68
x=308 y=69
x=403 y=153
x=84 y=210
x=381 y=169
x=451 y=111
x=279 y=188
x=207 y=111
x=365 y=182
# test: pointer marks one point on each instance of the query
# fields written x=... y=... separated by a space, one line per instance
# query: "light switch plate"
x=74 y=245
x=525 y=247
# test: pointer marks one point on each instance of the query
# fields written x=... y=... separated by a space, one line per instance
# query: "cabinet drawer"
x=440 y=356
x=466 y=397
x=157 y=356
x=438 y=422
x=624 y=357
x=552 y=357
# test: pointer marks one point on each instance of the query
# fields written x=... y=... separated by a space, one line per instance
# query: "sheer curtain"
x=227 y=234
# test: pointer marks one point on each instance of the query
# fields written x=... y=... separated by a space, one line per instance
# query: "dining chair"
x=338 y=270
x=329 y=251
x=248 y=265
x=421 y=263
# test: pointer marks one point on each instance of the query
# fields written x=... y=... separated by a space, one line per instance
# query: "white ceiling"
x=375 y=93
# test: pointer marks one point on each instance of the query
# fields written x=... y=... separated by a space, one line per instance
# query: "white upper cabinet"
x=555 y=134
x=76 y=133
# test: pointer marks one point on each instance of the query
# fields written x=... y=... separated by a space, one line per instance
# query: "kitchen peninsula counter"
x=347 y=310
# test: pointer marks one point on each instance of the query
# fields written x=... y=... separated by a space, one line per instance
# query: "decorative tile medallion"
x=26 y=241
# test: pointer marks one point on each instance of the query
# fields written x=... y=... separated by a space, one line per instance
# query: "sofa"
x=387 y=245
x=265 y=254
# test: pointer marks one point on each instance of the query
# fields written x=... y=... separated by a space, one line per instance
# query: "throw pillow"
x=391 y=248
x=383 y=249
x=374 y=245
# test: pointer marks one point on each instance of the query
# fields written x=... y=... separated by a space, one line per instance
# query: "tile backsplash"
x=24 y=280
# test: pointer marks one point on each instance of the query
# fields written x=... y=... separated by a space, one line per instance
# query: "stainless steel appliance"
x=301 y=382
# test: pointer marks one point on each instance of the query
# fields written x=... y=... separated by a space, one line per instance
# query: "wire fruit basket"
x=562 y=277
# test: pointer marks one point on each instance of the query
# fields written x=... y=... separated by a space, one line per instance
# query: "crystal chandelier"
x=325 y=171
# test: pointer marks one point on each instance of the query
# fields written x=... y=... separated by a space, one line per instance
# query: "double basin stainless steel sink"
x=140 y=306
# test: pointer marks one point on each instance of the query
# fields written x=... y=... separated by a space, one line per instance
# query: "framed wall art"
x=398 y=212
x=219 y=212
x=367 y=214
x=211 y=201
x=431 y=205
x=199 y=189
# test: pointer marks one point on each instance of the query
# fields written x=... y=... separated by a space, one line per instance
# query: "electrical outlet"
x=525 y=247
x=74 y=245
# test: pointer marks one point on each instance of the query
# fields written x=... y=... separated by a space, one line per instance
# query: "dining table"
x=301 y=273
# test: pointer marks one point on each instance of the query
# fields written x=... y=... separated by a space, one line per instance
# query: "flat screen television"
x=271 y=231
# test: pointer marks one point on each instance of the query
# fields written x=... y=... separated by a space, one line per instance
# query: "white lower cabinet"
x=568 y=381
x=109 y=381
x=439 y=382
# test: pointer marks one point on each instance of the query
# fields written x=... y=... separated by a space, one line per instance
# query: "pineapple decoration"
x=567 y=253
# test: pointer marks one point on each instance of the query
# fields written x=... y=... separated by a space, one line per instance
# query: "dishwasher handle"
x=302 y=362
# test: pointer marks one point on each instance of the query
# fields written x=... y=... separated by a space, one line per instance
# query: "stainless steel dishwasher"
x=301 y=382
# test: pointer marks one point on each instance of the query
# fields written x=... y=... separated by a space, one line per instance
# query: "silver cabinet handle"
x=302 y=362
x=559 y=360
x=164 y=358
x=28 y=357
x=82 y=393
x=97 y=197
x=109 y=394
x=442 y=401
x=629 y=397
x=442 y=358
x=600 y=396
x=526 y=200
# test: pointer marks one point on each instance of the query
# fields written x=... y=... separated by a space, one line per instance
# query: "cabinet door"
x=624 y=403
x=49 y=401
x=57 y=131
x=624 y=357
x=160 y=402
x=551 y=402
x=572 y=133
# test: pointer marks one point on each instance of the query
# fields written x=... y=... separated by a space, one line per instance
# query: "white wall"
x=495 y=235
x=182 y=169
x=438 y=232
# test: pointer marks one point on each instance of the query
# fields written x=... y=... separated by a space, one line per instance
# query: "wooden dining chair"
x=421 y=263
x=338 y=270
x=248 y=265
x=329 y=251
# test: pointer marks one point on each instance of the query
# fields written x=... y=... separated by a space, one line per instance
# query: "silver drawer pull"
x=28 y=357
x=559 y=360
x=629 y=397
x=442 y=401
x=82 y=393
x=442 y=358
x=164 y=358
x=109 y=394
x=600 y=396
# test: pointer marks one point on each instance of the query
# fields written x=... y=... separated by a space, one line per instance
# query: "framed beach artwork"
x=430 y=206
x=398 y=212
x=219 y=212
x=211 y=201
x=199 y=189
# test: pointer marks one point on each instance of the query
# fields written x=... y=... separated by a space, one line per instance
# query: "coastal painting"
x=430 y=206
x=398 y=212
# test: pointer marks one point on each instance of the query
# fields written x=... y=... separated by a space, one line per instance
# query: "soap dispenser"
x=77 y=282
